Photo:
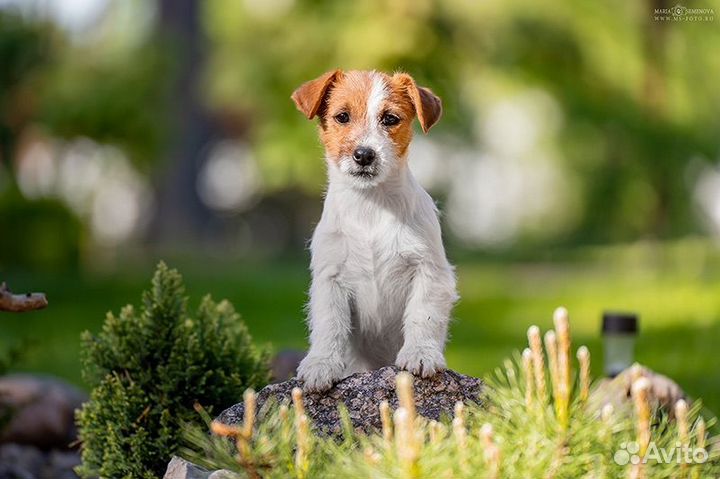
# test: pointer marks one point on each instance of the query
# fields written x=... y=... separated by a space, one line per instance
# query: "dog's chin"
x=361 y=177
x=365 y=178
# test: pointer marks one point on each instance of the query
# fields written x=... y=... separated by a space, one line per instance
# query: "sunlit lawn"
x=675 y=288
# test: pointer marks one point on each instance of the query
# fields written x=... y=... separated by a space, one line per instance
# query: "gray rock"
x=223 y=474
x=61 y=465
x=42 y=410
x=21 y=461
x=663 y=393
x=179 y=468
x=13 y=471
x=362 y=393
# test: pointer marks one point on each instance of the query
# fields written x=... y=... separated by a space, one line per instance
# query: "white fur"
x=382 y=289
x=374 y=137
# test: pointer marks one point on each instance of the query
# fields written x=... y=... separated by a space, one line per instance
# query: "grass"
x=675 y=287
x=521 y=431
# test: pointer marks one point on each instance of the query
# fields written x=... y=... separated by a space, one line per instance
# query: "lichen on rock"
x=362 y=393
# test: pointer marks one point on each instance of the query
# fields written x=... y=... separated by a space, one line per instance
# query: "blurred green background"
x=577 y=163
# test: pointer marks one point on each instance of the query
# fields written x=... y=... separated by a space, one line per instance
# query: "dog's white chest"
x=381 y=252
x=379 y=271
x=375 y=254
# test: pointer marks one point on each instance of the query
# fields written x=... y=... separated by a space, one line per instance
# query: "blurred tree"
x=24 y=53
x=35 y=234
x=636 y=94
x=115 y=101
x=181 y=214
x=39 y=234
x=634 y=91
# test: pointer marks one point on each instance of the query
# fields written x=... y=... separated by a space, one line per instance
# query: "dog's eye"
x=343 y=117
x=388 y=119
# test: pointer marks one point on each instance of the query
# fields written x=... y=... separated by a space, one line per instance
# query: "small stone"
x=223 y=474
x=61 y=464
x=20 y=461
x=179 y=468
x=11 y=471
x=663 y=393
x=43 y=410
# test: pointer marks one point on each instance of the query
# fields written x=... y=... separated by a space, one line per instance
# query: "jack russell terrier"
x=382 y=289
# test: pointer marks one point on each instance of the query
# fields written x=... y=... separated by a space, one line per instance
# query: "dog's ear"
x=428 y=106
x=309 y=96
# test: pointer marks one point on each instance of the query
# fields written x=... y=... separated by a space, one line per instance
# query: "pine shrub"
x=148 y=368
x=539 y=419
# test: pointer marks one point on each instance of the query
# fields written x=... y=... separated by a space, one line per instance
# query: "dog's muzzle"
x=364 y=156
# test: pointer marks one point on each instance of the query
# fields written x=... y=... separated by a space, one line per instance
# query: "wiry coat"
x=382 y=289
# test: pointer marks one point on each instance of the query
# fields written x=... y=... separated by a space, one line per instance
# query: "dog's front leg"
x=426 y=318
x=330 y=326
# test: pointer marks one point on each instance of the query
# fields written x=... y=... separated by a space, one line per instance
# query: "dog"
x=382 y=288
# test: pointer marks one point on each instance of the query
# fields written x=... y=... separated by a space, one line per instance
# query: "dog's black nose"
x=364 y=155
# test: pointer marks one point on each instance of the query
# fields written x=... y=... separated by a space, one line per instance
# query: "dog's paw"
x=421 y=361
x=319 y=373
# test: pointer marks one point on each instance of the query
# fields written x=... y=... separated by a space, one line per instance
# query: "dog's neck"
x=396 y=194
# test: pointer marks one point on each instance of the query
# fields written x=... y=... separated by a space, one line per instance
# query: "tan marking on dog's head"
x=367 y=109
x=428 y=106
x=310 y=95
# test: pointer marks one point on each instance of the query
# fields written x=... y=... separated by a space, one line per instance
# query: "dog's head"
x=366 y=120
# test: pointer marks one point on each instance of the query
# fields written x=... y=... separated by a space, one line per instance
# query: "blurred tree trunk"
x=655 y=45
x=181 y=216
x=654 y=95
